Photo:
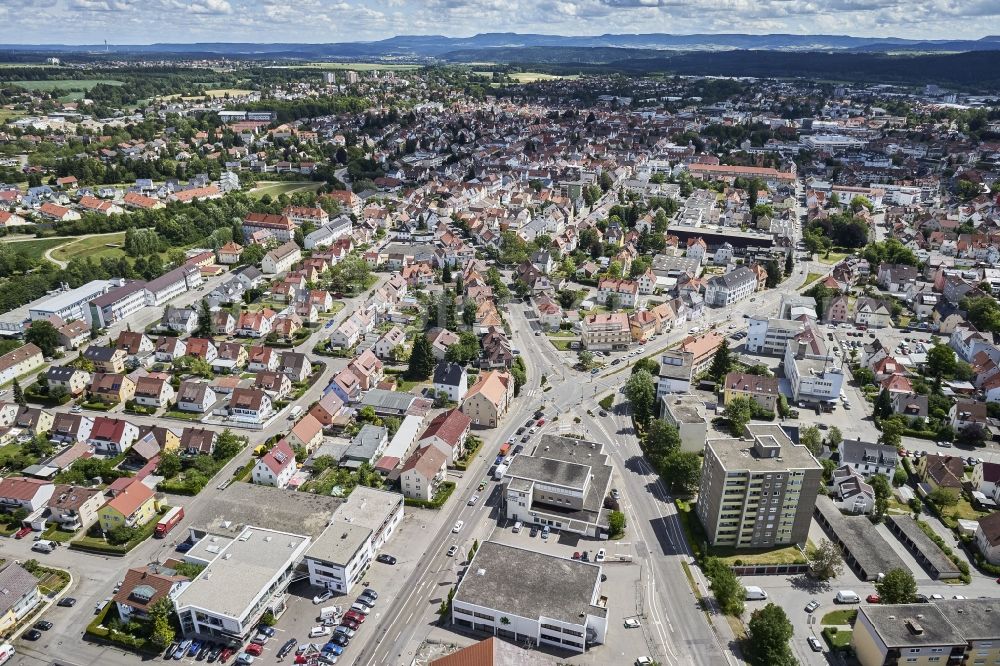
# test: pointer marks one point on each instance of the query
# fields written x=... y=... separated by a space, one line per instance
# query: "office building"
x=119 y=303
x=532 y=598
x=758 y=491
x=562 y=484
x=359 y=528
x=71 y=304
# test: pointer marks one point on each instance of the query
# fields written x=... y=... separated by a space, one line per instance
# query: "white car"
x=632 y=623
x=320 y=598
x=319 y=631
x=644 y=661
x=458 y=526
x=601 y=554
x=473 y=500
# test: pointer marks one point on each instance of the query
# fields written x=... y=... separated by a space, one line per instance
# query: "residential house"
x=180 y=320
x=423 y=473
x=256 y=324
x=144 y=587
x=391 y=340
x=223 y=323
x=20 y=595
x=869 y=459
x=605 y=331
x=109 y=387
x=281 y=258
x=74 y=335
x=276 y=384
x=988 y=537
x=441 y=339
x=198 y=441
x=106 y=359
x=448 y=431
x=132 y=507
x=909 y=404
x=70 y=428
x=202 y=348
x=837 y=310
x=21 y=492
x=250 y=405
x=968 y=414
x=276 y=467
x=263 y=359
x=872 y=312
x=295 y=365
x=346 y=335
x=73 y=380
x=497 y=351
x=230 y=253
x=231 y=358
x=367 y=368
x=986 y=477
x=760 y=389
x=489 y=398
x=941 y=471
x=328 y=409
x=153 y=391
x=169 y=349
x=165 y=438
x=452 y=380
x=195 y=396
x=307 y=433
x=675 y=373
x=135 y=344
x=74 y=508
x=20 y=361
x=622 y=293
x=111 y=436
x=852 y=493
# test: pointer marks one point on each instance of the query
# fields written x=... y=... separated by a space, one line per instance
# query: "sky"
x=324 y=21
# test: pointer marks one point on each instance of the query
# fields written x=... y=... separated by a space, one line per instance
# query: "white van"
x=847 y=597
x=328 y=612
x=44 y=546
x=754 y=593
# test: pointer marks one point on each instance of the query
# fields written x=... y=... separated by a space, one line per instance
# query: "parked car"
x=315 y=632
x=32 y=635
x=811 y=606
x=533 y=532
x=370 y=592
x=348 y=622
x=452 y=551
x=872 y=598
x=344 y=630
x=339 y=639
x=386 y=559
x=356 y=617
x=287 y=648
x=632 y=623
x=815 y=644
x=320 y=598
x=266 y=630
x=43 y=625
x=23 y=532
x=615 y=494
x=545 y=532
x=600 y=555
x=254 y=648
x=245 y=659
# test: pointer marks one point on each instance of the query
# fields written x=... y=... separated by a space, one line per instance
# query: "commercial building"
x=759 y=490
x=359 y=528
x=687 y=414
x=532 y=598
x=771 y=336
x=244 y=577
x=810 y=369
x=71 y=304
x=117 y=304
x=733 y=287
x=562 y=484
x=675 y=373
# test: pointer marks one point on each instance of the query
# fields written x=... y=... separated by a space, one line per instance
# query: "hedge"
x=93 y=544
x=474 y=444
x=96 y=631
x=444 y=491
x=963 y=566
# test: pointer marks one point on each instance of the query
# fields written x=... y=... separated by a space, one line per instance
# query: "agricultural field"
x=214 y=94
x=65 y=84
x=275 y=189
x=103 y=245
x=10 y=114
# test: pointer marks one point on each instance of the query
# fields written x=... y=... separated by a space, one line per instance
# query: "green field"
x=94 y=246
x=360 y=66
x=36 y=248
x=10 y=114
x=531 y=77
x=65 y=84
x=278 y=188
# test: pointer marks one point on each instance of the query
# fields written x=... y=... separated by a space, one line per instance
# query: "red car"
x=540 y=423
x=576 y=555
x=254 y=649
x=226 y=654
x=23 y=532
x=872 y=598
x=354 y=616
x=350 y=624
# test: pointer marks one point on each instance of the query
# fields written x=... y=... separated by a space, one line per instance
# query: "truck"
x=6 y=652
x=168 y=522
x=500 y=471
x=504 y=448
x=294 y=414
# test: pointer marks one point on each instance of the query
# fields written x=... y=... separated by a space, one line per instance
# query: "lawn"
x=531 y=77
x=104 y=245
x=787 y=555
x=10 y=114
x=810 y=278
x=834 y=257
x=839 y=640
x=275 y=189
x=65 y=84
x=215 y=93
x=839 y=617
x=36 y=248
x=561 y=345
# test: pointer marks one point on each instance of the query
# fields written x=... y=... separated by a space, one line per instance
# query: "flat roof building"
x=922 y=633
x=245 y=577
x=530 y=597
x=758 y=491
x=562 y=484
x=686 y=412
x=72 y=304
x=340 y=556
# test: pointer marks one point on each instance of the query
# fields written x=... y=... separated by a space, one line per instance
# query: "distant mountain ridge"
x=435 y=46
